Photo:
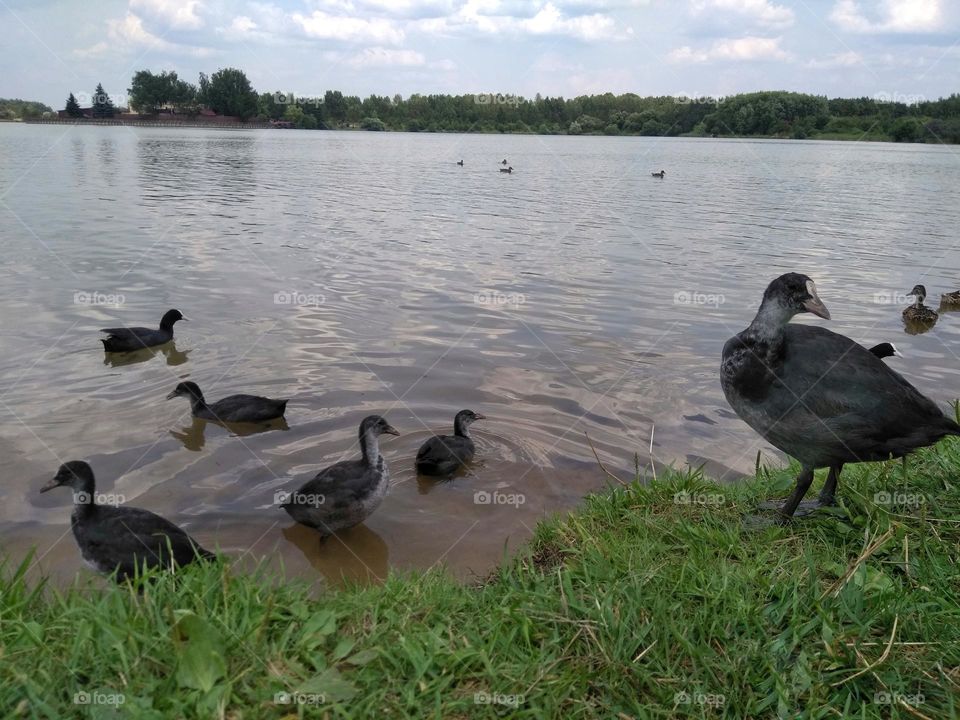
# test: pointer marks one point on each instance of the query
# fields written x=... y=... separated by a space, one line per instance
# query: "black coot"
x=232 y=409
x=445 y=454
x=885 y=350
x=819 y=396
x=137 y=338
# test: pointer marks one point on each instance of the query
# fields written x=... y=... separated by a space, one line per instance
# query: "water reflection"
x=917 y=327
x=357 y=555
x=168 y=350
x=194 y=437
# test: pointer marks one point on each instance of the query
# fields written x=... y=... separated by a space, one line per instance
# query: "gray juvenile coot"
x=445 y=454
x=235 y=408
x=346 y=493
x=121 y=539
x=819 y=396
x=918 y=312
x=137 y=338
x=885 y=350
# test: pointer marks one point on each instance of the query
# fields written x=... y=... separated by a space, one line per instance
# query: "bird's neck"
x=461 y=429
x=770 y=323
x=83 y=496
x=197 y=403
x=919 y=302
x=370 y=447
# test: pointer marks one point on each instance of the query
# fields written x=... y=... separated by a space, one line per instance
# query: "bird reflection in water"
x=356 y=555
x=168 y=350
x=194 y=437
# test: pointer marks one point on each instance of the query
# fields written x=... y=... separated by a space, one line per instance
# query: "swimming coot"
x=819 y=396
x=662 y=174
x=445 y=454
x=121 y=539
x=885 y=350
x=235 y=408
x=137 y=338
x=346 y=493
x=918 y=313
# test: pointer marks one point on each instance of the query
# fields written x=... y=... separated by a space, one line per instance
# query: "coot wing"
x=247 y=408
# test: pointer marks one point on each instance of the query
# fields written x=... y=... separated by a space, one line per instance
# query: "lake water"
x=361 y=272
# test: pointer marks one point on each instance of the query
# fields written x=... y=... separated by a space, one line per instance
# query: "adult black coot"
x=885 y=350
x=121 y=539
x=460 y=163
x=445 y=454
x=662 y=174
x=918 y=313
x=819 y=396
x=507 y=169
x=137 y=338
x=232 y=409
x=346 y=493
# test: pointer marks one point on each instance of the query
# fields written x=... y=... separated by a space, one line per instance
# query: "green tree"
x=228 y=92
x=906 y=129
x=73 y=107
x=150 y=93
x=102 y=106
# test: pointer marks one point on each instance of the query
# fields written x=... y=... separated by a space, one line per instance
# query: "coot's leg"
x=803 y=484
x=828 y=496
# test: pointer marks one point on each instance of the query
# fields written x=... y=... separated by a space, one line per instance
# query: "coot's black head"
x=796 y=293
x=75 y=474
x=468 y=416
x=376 y=425
x=186 y=389
x=170 y=317
x=885 y=350
x=919 y=292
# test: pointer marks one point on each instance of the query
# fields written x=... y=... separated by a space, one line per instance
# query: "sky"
x=904 y=50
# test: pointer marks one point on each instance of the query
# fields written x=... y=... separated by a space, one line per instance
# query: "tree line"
x=760 y=114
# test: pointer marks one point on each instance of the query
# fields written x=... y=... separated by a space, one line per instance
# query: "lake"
x=360 y=273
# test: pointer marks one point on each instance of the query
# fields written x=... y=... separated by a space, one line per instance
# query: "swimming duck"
x=346 y=493
x=460 y=163
x=507 y=169
x=819 y=396
x=918 y=312
x=504 y=162
x=235 y=408
x=660 y=174
x=950 y=298
x=444 y=454
x=137 y=338
x=885 y=350
x=121 y=539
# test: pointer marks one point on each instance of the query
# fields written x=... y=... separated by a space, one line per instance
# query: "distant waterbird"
x=507 y=169
x=443 y=455
x=231 y=409
x=660 y=174
x=918 y=313
x=122 y=339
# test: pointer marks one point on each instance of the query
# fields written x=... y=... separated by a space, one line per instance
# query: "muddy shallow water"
x=360 y=272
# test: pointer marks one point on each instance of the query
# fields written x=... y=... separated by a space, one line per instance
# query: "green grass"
x=635 y=606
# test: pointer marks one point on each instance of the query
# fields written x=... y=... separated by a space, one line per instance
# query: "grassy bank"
x=652 y=601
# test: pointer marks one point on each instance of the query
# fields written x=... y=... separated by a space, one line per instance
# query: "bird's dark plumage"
x=136 y=338
x=346 y=493
x=122 y=539
x=231 y=409
x=885 y=350
x=445 y=454
x=819 y=396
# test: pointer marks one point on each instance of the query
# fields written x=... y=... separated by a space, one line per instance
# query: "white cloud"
x=760 y=12
x=847 y=59
x=890 y=16
x=385 y=57
x=176 y=14
x=128 y=33
x=319 y=25
x=746 y=48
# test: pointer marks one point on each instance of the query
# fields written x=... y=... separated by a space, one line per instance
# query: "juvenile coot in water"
x=137 y=338
x=918 y=312
x=460 y=163
x=346 y=493
x=444 y=454
x=662 y=174
x=885 y=350
x=819 y=396
x=121 y=538
x=235 y=408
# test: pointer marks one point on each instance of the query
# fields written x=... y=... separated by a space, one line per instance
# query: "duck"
x=885 y=350
x=121 y=540
x=919 y=313
x=460 y=163
x=445 y=454
x=950 y=298
x=346 y=493
x=504 y=162
x=231 y=409
x=136 y=338
x=819 y=396
x=507 y=169
x=660 y=174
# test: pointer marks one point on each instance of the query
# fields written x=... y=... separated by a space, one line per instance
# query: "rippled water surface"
x=361 y=272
